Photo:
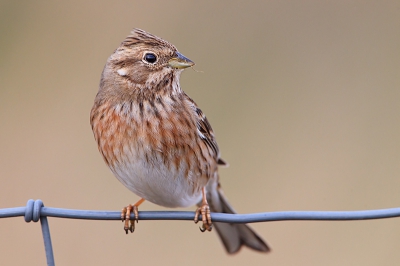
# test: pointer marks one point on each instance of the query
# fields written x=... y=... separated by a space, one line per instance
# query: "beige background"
x=304 y=98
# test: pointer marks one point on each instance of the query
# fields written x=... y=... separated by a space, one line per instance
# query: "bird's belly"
x=155 y=182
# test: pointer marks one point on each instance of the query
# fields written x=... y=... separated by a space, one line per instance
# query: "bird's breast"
x=154 y=154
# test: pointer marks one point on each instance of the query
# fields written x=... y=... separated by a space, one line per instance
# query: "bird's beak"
x=179 y=61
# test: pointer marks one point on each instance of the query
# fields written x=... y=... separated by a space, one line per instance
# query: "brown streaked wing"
x=207 y=135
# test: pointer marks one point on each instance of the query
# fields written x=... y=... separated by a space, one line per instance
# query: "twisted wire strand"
x=35 y=211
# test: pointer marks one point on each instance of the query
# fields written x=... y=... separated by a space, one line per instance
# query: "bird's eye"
x=150 y=58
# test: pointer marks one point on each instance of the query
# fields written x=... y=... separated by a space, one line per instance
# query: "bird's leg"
x=126 y=216
x=204 y=210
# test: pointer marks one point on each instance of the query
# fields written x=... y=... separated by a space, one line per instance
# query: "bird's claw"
x=204 y=211
x=126 y=217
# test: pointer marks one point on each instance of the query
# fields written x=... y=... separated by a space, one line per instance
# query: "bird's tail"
x=233 y=236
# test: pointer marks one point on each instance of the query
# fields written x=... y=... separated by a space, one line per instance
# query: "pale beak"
x=179 y=61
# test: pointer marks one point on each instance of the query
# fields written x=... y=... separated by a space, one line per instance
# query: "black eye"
x=150 y=58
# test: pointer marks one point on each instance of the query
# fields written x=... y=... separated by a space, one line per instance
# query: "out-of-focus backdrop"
x=304 y=97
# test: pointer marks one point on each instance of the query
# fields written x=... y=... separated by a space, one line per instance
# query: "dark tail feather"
x=234 y=236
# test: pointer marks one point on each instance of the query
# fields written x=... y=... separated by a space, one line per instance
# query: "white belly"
x=156 y=183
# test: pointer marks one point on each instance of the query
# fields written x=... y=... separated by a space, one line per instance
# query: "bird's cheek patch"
x=122 y=72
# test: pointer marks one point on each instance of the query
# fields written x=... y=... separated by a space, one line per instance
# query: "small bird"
x=155 y=139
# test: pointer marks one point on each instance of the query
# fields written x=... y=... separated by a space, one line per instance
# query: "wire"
x=35 y=211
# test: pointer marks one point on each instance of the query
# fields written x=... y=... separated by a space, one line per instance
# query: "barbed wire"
x=35 y=211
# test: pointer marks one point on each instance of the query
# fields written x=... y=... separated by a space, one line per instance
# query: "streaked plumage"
x=155 y=139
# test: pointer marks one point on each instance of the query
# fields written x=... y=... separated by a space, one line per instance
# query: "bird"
x=157 y=141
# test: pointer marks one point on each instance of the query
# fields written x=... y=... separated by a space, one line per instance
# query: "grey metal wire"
x=35 y=211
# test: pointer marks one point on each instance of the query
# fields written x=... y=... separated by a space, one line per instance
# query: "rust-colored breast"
x=149 y=129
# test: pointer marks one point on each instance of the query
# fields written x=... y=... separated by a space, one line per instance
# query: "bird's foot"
x=204 y=210
x=126 y=217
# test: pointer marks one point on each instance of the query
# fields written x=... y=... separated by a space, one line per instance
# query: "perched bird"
x=155 y=139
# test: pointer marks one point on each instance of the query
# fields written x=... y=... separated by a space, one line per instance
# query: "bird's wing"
x=205 y=131
x=207 y=135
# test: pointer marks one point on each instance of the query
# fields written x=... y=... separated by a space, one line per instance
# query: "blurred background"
x=303 y=96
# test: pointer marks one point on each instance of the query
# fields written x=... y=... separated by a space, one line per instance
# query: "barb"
x=35 y=211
